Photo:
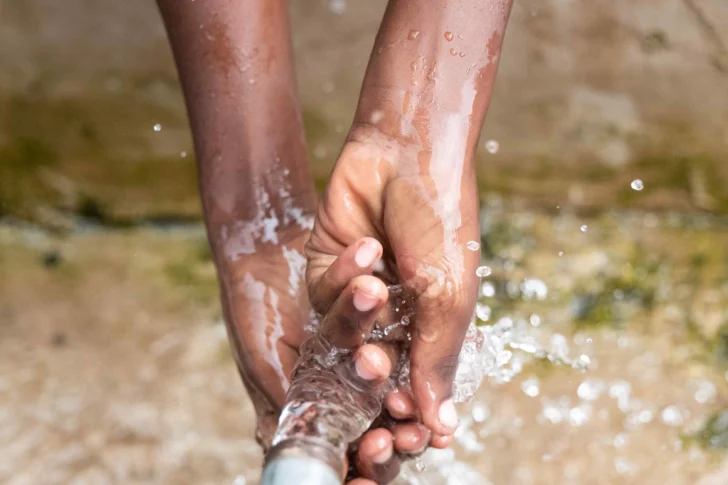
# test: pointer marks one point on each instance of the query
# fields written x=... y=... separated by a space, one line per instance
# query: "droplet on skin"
x=157 y=127
x=492 y=146
x=473 y=245
x=183 y=154
x=483 y=271
x=376 y=117
x=637 y=185
x=584 y=228
x=453 y=52
x=448 y=36
x=561 y=253
x=413 y=34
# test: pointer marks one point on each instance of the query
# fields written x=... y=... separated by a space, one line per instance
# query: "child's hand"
x=357 y=300
x=381 y=188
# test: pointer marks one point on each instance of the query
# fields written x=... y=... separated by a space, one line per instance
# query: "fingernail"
x=366 y=254
x=364 y=371
x=364 y=302
x=449 y=415
x=397 y=404
x=384 y=455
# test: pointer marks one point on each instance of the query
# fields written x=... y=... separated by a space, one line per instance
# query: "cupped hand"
x=387 y=189
x=268 y=317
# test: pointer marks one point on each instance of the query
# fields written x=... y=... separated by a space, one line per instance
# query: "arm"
x=235 y=64
x=421 y=109
x=430 y=77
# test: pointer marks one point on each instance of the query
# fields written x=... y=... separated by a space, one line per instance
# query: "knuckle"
x=446 y=367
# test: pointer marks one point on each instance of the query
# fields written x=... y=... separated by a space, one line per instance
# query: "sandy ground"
x=114 y=366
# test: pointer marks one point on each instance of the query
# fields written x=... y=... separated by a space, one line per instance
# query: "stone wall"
x=591 y=94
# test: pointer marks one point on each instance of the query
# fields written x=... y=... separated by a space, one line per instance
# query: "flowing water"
x=604 y=357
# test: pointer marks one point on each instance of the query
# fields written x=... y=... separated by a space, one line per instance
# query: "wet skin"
x=405 y=178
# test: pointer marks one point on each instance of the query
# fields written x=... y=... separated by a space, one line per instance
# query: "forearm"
x=432 y=71
x=235 y=64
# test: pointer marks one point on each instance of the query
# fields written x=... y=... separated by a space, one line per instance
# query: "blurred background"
x=603 y=169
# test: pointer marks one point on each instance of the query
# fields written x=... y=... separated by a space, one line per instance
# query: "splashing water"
x=637 y=185
x=492 y=146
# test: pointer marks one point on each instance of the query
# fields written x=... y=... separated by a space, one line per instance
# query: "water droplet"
x=492 y=146
x=621 y=391
x=405 y=320
x=620 y=440
x=337 y=7
x=157 y=127
x=590 y=389
x=535 y=320
x=376 y=117
x=448 y=36
x=251 y=81
x=645 y=416
x=473 y=245
x=482 y=312
x=561 y=253
x=533 y=288
x=480 y=412
x=623 y=466
x=584 y=228
x=530 y=387
x=320 y=151
x=239 y=480
x=420 y=464
x=483 y=271
x=413 y=34
x=453 y=52
x=637 y=184
x=580 y=415
x=706 y=392
x=183 y=154
x=488 y=290
x=462 y=54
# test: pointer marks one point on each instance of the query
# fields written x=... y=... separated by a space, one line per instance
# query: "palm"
x=406 y=212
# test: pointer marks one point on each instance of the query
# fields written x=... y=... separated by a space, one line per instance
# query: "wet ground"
x=114 y=366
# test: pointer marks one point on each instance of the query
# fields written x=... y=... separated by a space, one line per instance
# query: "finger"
x=325 y=285
x=376 y=459
x=351 y=318
x=411 y=438
x=400 y=404
x=361 y=481
x=443 y=312
x=372 y=363
x=440 y=442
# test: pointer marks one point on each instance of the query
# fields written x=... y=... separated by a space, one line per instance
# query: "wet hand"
x=349 y=320
x=384 y=188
